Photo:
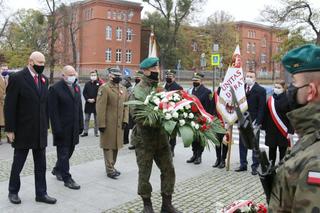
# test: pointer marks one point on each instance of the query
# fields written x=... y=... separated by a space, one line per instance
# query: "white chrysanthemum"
x=171 y=103
x=156 y=108
x=185 y=115
x=193 y=124
x=175 y=98
x=188 y=106
x=156 y=101
x=182 y=122
x=170 y=108
x=170 y=98
x=175 y=115
x=168 y=116
x=196 y=126
x=191 y=115
x=165 y=100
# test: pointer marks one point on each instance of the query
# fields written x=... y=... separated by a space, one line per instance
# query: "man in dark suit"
x=90 y=92
x=256 y=98
x=66 y=118
x=171 y=85
x=205 y=97
x=26 y=124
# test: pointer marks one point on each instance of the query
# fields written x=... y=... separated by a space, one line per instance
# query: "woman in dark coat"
x=276 y=123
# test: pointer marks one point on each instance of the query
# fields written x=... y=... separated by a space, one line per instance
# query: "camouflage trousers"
x=152 y=145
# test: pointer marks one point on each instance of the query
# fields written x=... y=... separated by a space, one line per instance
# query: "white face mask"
x=93 y=78
x=277 y=91
x=70 y=79
x=249 y=81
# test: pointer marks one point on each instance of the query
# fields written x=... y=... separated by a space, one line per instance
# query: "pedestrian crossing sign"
x=215 y=59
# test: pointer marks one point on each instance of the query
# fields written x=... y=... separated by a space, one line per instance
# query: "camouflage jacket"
x=296 y=187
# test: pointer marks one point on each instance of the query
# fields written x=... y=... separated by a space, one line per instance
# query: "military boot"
x=147 y=205
x=192 y=159
x=167 y=206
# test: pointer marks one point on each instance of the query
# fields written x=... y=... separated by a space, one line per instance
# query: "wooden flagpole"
x=229 y=146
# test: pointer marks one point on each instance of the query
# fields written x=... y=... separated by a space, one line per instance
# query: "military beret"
x=114 y=71
x=302 y=59
x=149 y=62
x=170 y=72
x=197 y=76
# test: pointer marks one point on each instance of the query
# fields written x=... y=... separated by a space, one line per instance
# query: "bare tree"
x=294 y=13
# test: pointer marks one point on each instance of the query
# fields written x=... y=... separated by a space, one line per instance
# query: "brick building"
x=259 y=44
x=107 y=34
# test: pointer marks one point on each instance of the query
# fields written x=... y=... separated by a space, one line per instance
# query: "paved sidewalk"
x=199 y=188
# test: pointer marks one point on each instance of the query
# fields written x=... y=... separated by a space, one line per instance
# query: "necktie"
x=36 y=80
x=248 y=89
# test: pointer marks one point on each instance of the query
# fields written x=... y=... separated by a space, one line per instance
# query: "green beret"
x=303 y=59
x=170 y=73
x=115 y=71
x=197 y=76
x=149 y=62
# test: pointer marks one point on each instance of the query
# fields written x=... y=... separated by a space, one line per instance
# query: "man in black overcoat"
x=90 y=92
x=66 y=117
x=26 y=124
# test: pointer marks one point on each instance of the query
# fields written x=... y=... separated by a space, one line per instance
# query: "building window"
x=88 y=13
x=114 y=15
x=264 y=42
x=253 y=48
x=248 y=47
x=128 y=56
x=118 y=33
x=108 y=55
x=263 y=58
x=109 y=33
x=119 y=15
x=129 y=34
x=109 y=14
x=118 y=55
x=251 y=34
x=253 y=65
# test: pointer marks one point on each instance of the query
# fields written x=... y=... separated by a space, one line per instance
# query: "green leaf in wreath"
x=169 y=126
x=186 y=134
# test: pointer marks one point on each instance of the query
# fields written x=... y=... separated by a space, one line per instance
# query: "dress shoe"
x=118 y=173
x=222 y=165
x=216 y=164
x=84 y=135
x=97 y=135
x=254 y=172
x=57 y=174
x=71 y=184
x=46 y=199
x=112 y=175
x=192 y=159
x=14 y=198
x=241 y=169
x=131 y=147
x=197 y=160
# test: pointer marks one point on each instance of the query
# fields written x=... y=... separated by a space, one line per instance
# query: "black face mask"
x=196 y=84
x=292 y=96
x=38 y=69
x=116 y=80
x=169 y=80
x=154 y=76
x=137 y=80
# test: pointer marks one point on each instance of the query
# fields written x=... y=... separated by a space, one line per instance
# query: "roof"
x=257 y=25
x=117 y=2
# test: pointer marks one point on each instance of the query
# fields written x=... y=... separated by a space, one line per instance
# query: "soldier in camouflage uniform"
x=151 y=144
x=296 y=187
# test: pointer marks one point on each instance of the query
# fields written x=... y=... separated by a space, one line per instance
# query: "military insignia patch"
x=313 y=178
x=100 y=93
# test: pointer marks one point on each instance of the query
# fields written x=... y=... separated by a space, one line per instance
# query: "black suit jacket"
x=205 y=97
x=66 y=115
x=256 y=99
x=26 y=110
x=173 y=86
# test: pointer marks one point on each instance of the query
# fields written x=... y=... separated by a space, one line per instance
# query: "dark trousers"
x=243 y=154
x=172 y=142
x=197 y=148
x=39 y=159
x=221 y=151
x=273 y=153
x=64 y=154
x=126 y=134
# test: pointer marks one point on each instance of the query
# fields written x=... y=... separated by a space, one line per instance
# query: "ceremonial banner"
x=234 y=78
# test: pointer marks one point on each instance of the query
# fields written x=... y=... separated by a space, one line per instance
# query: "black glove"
x=102 y=129
x=80 y=131
x=124 y=125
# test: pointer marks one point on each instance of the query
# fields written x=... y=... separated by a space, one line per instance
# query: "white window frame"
x=109 y=32
x=108 y=55
x=128 y=56
x=118 y=55
x=129 y=34
x=118 y=34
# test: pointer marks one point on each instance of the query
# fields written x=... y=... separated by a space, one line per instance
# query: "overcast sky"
x=242 y=10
